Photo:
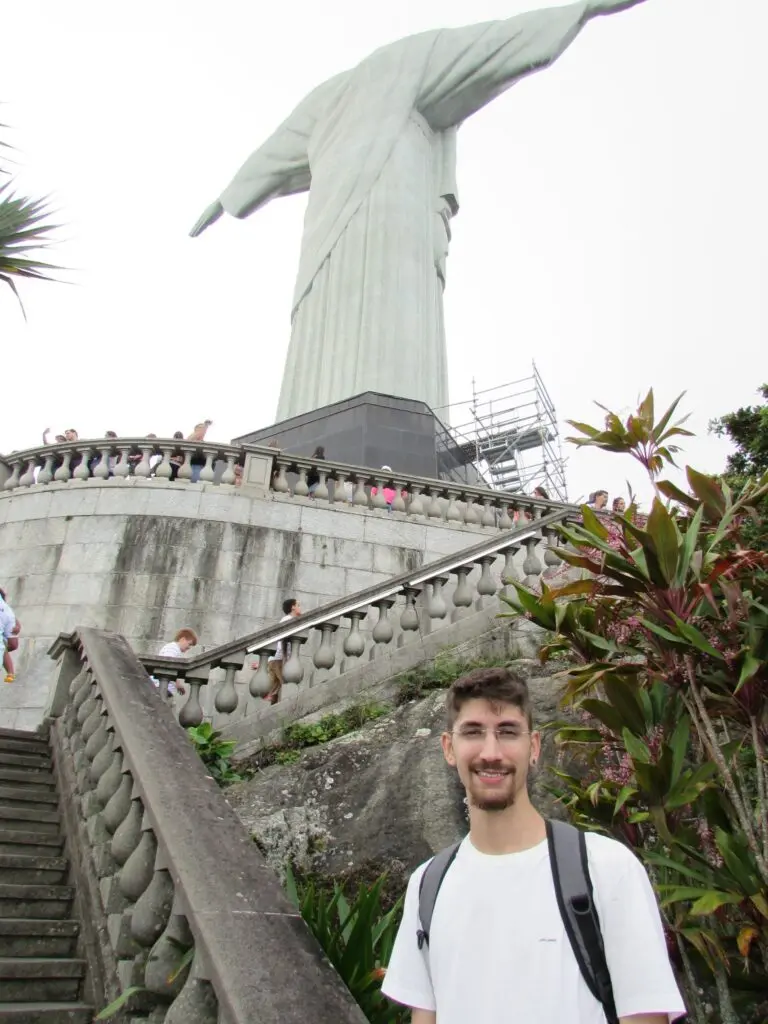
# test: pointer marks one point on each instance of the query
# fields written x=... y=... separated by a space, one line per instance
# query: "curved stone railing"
x=330 y=640
x=287 y=476
x=185 y=908
x=141 y=457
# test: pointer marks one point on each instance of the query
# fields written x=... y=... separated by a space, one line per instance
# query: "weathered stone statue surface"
x=376 y=148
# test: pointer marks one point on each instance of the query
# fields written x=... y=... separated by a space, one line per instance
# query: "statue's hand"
x=210 y=216
x=598 y=7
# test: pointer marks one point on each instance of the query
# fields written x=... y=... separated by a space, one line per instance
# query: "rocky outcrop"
x=381 y=798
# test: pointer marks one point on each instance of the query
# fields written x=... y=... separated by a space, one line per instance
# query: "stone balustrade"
x=334 y=638
x=178 y=900
x=118 y=459
x=287 y=476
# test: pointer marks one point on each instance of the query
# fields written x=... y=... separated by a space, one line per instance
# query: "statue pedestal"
x=374 y=430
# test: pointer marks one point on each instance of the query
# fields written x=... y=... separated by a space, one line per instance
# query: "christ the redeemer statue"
x=376 y=148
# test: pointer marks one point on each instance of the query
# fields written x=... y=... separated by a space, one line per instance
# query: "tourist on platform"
x=597 y=501
x=177 y=459
x=619 y=506
x=181 y=644
x=291 y=610
x=313 y=477
x=10 y=628
x=197 y=462
x=59 y=438
x=388 y=492
x=238 y=476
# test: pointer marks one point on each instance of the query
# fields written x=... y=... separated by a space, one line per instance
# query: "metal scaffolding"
x=511 y=437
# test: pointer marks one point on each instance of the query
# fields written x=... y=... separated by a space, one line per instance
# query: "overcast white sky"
x=613 y=222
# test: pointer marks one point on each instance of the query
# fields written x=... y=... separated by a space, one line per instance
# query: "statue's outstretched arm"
x=469 y=67
x=208 y=217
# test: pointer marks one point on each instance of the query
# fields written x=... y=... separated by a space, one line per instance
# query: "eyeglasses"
x=506 y=735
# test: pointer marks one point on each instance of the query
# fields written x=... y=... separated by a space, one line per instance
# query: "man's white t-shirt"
x=278 y=655
x=499 y=954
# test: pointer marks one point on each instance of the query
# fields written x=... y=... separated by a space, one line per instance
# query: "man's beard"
x=494 y=802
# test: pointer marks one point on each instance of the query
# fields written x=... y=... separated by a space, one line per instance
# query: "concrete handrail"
x=177 y=870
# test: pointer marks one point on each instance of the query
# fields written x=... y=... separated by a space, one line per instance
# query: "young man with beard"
x=498 y=952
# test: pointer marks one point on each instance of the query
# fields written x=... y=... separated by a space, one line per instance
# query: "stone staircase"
x=41 y=976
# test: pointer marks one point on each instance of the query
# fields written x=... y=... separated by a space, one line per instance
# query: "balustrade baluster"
x=63 y=473
x=398 y=502
x=321 y=491
x=123 y=466
x=280 y=481
x=532 y=567
x=259 y=682
x=46 y=473
x=510 y=554
x=471 y=517
x=136 y=873
x=153 y=908
x=127 y=835
x=162 y=976
x=207 y=474
x=486 y=585
x=110 y=782
x=354 y=641
x=192 y=712
x=82 y=469
x=27 y=478
x=378 y=500
x=301 y=487
x=488 y=517
x=293 y=670
x=118 y=806
x=360 y=497
x=103 y=758
x=164 y=468
x=13 y=480
x=185 y=467
x=409 y=620
x=383 y=631
x=143 y=468
x=196 y=1003
x=434 y=509
x=462 y=595
x=229 y=476
x=416 y=504
x=226 y=696
x=453 y=512
x=325 y=655
x=551 y=557
x=101 y=470
x=436 y=606
x=506 y=522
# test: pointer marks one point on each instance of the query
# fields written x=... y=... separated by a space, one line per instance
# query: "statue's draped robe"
x=375 y=146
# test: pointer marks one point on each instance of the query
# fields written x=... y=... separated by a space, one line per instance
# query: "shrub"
x=670 y=633
x=215 y=753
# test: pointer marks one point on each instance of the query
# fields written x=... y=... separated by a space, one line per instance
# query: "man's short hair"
x=497 y=685
x=187 y=634
x=289 y=604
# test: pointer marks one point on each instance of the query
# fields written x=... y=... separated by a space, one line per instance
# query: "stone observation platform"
x=115 y=535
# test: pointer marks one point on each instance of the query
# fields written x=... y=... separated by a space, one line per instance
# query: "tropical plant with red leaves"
x=668 y=627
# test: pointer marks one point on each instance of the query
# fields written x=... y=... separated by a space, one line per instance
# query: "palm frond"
x=25 y=227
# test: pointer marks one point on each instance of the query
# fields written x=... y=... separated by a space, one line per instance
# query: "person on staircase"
x=10 y=628
x=291 y=610
x=181 y=644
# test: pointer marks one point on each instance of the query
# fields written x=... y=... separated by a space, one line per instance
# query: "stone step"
x=27 y=777
x=14 y=796
x=20 y=869
x=37 y=937
x=20 y=734
x=30 y=979
x=36 y=901
x=22 y=743
x=30 y=843
x=13 y=759
x=31 y=818
x=46 y=1013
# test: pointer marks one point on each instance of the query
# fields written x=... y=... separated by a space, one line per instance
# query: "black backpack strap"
x=429 y=887
x=575 y=899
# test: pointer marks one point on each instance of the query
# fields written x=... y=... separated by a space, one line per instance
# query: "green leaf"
x=711 y=901
x=117 y=1004
x=635 y=747
x=663 y=532
x=621 y=799
x=675 y=494
x=610 y=717
x=690 y=540
x=661 y=426
x=584 y=428
x=707 y=489
x=749 y=668
x=678 y=744
x=697 y=638
x=623 y=696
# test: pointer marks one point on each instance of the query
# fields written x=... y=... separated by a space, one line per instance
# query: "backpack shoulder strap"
x=429 y=887
x=573 y=889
